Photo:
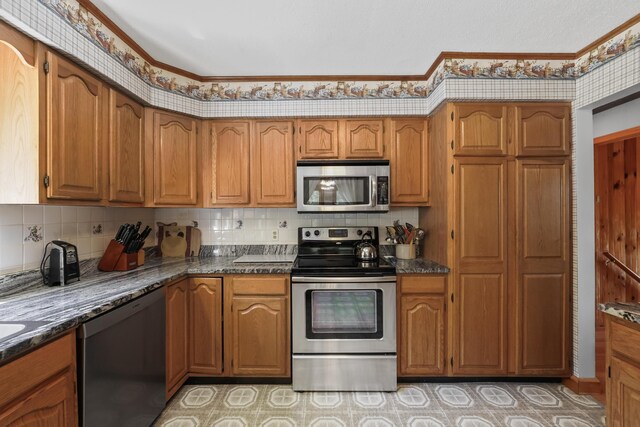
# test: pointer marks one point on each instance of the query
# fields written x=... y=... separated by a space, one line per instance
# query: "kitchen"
x=410 y=240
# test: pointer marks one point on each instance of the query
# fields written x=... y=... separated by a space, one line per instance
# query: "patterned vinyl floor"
x=416 y=405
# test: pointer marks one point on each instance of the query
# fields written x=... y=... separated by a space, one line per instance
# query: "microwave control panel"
x=383 y=190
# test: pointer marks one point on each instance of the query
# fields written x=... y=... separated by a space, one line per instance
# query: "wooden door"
x=421 y=319
x=318 y=139
x=273 y=164
x=480 y=295
x=543 y=267
x=175 y=170
x=480 y=130
x=543 y=130
x=77 y=120
x=126 y=149
x=177 y=335
x=19 y=129
x=623 y=409
x=363 y=139
x=52 y=403
x=409 y=162
x=230 y=159
x=205 y=326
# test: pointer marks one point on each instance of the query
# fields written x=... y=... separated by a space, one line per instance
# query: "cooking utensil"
x=365 y=250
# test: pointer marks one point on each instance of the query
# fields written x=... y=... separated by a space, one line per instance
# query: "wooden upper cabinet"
x=543 y=130
x=174 y=153
x=543 y=265
x=19 y=129
x=480 y=129
x=126 y=149
x=363 y=139
x=229 y=160
x=409 y=162
x=177 y=319
x=318 y=139
x=76 y=119
x=205 y=326
x=273 y=163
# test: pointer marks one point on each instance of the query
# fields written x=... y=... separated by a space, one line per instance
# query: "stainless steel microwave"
x=343 y=185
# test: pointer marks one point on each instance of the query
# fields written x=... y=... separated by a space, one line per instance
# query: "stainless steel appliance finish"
x=343 y=186
x=63 y=264
x=330 y=372
x=343 y=314
x=122 y=364
x=337 y=340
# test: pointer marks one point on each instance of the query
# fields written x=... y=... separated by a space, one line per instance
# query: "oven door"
x=343 y=315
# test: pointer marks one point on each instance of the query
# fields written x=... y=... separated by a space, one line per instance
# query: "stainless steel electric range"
x=343 y=314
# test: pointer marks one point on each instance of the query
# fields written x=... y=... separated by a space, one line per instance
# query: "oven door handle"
x=366 y=279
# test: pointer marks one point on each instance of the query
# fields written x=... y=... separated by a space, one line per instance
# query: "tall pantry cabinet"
x=500 y=218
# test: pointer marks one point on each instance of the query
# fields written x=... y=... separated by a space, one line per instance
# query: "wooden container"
x=114 y=258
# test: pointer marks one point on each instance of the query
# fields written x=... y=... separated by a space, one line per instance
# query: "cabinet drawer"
x=422 y=284
x=32 y=369
x=625 y=340
x=260 y=285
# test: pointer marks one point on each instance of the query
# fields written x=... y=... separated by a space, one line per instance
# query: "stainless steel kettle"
x=365 y=250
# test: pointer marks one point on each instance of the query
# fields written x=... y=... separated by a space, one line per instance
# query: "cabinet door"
x=19 y=129
x=177 y=335
x=273 y=164
x=318 y=139
x=205 y=326
x=421 y=349
x=126 y=149
x=543 y=130
x=409 y=162
x=76 y=122
x=230 y=163
x=480 y=297
x=480 y=129
x=52 y=403
x=543 y=267
x=363 y=139
x=260 y=336
x=175 y=170
x=623 y=409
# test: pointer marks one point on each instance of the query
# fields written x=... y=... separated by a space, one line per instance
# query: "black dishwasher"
x=121 y=358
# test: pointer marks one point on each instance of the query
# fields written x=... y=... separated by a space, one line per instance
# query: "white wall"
x=619 y=118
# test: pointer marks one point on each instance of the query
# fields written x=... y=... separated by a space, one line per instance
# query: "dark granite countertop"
x=626 y=311
x=62 y=308
x=59 y=309
x=417 y=266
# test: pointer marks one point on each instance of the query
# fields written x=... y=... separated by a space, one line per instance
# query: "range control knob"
x=359 y=232
x=307 y=234
x=316 y=233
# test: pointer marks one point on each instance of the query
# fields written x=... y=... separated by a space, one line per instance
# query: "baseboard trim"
x=584 y=385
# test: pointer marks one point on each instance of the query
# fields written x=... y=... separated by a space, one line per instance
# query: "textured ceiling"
x=354 y=37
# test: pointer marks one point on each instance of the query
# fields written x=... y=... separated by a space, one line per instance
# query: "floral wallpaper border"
x=88 y=25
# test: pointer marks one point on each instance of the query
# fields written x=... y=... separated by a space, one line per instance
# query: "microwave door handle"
x=374 y=191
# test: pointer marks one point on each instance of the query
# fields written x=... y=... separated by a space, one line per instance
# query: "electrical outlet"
x=274 y=234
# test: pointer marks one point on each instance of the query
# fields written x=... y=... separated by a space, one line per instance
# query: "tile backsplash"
x=270 y=225
x=25 y=229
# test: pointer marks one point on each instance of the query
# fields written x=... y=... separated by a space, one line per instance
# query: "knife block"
x=115 y=259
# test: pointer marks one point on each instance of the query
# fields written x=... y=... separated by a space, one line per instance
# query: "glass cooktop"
x=340 y=265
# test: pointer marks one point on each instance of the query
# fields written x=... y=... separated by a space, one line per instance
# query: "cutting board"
x=178 y=240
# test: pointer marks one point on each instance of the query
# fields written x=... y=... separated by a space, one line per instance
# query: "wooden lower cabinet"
x=205 y=326
x=421 y=325
x=257 y=332
x=623 y=382
x=38 y=389
x=177 y=360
